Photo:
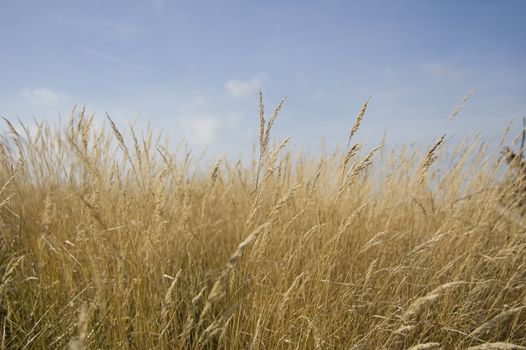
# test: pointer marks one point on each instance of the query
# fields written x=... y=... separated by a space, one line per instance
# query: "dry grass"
x=113 y=240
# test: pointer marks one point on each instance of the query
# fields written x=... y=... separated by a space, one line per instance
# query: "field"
x=110 y=239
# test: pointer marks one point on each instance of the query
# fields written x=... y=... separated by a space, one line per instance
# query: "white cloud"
x=200 y=130
x=106 y=56
x=41 y=96
x=158 y=6
x=317 y=96
x=244 y=88
x=440 y=70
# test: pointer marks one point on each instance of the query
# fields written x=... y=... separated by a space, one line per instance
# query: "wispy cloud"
x=106 y=56
x=244 y=88
x=42 y=96
x=158 y=6
x=200 y=130
x=317 y=96
x=440 y=70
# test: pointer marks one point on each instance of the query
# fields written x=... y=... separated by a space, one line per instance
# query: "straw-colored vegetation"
x=110 y=239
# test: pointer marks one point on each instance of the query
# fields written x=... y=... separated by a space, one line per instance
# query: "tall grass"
x=110 y=240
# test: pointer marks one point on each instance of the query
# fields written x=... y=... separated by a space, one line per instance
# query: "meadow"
x=112 y=239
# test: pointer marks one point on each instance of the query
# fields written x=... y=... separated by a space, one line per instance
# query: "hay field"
x=109 y=239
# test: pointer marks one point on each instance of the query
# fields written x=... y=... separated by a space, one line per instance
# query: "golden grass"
x=113 y=240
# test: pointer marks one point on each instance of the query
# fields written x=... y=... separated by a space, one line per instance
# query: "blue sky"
x=193 y=68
